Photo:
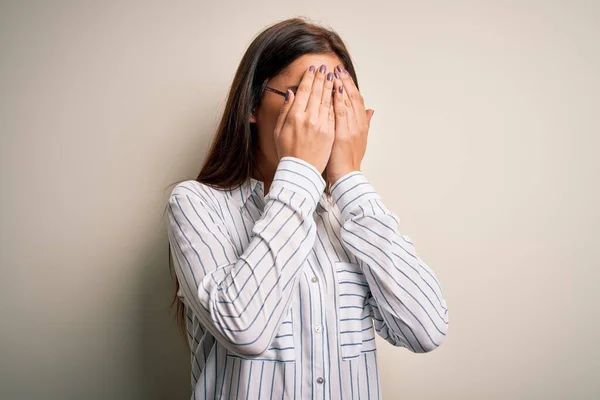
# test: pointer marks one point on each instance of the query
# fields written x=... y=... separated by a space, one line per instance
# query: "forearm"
x=405 y=289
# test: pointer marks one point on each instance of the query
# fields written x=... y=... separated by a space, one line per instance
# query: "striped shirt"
x=284 y=293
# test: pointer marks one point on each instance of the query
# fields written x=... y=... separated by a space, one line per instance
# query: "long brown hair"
x=232 y=158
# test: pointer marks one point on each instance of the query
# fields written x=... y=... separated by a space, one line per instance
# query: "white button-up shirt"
x=284 y=293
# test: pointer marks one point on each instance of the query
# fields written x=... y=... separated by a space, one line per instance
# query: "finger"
x=283 y=112
x=326 y=98
x=356 y=99
x=331 y=119
x=304 y=89
x=370 y=113
x=350 y=114
x=340 y=108
x=314 y=101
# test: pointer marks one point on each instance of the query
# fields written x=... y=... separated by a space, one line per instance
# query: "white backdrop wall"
x=483 y=142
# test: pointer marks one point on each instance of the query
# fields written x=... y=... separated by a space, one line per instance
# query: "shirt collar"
x=241 y=194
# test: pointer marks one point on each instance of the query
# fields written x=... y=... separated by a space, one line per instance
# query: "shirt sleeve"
x=241 y=299
x=409 y=308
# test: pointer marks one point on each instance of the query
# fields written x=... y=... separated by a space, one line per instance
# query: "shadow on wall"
x=165 y=357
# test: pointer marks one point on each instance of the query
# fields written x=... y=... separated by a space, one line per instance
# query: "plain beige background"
x=484 y=142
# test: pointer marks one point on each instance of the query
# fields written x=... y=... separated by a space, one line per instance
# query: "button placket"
x=318 y=331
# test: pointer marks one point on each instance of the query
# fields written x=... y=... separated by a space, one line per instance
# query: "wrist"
x=334 y=177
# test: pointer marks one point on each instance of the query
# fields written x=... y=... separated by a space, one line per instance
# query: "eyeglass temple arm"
x=279 y=92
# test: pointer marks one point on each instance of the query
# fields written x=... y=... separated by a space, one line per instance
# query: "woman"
x=287 y=260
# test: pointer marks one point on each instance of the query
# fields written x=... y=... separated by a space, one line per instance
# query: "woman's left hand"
x=352 y=123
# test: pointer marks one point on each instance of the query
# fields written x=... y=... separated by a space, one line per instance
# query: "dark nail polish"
x=329 y=76
x=287 y=95
x=312 y=68
x=337 y=76
x=323 y=69
x=339 y=68
x=341 y=89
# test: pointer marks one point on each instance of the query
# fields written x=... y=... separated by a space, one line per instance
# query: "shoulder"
x=197 y=193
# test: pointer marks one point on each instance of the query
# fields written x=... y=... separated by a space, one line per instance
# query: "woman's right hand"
x=304 y=128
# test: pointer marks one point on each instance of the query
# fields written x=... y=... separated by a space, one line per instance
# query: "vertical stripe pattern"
x=285 y=292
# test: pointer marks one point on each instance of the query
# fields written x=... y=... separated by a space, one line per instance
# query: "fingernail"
x=341 y=89
x=329 y=76
x=287 y=95
x=323 y=69
x=312 y=68
x=337 y=76
x=339 y=68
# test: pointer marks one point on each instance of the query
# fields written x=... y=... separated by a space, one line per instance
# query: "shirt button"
x=320 y=380
x=318 y=328
x=314 y=279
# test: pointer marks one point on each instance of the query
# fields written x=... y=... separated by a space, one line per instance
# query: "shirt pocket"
x=353 y=291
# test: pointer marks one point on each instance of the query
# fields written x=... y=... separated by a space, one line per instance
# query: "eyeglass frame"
x=279 y=92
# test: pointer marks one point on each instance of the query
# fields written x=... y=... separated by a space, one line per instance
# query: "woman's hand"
x=303 y=129
x=352 y=123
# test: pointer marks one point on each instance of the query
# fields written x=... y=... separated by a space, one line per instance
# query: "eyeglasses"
x=279 y=92
x=293 y=89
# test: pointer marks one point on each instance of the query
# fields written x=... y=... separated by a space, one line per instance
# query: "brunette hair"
x=231 y=158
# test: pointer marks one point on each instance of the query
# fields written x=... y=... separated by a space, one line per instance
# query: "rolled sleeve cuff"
x=350 y=191
x=301 y=177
